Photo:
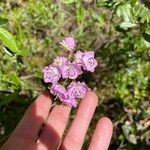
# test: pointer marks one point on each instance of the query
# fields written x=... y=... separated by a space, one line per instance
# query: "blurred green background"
x=119 y=33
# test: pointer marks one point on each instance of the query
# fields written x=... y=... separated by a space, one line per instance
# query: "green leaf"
x=126 y=130
x=80 y=14
x=146 y=134
x=98 y=17
x=125 y=11
x=146 y=114
x=146 y=36
x=126 y=25
x=8 y=40
x=15 y=80
x=24 y=52
x=3 y=20
x=68 y=1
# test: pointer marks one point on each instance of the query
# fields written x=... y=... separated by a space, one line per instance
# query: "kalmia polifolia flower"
x=70 y=70
x=62 y=93
x=59 y=61
x=78 y=57
x=69 y=101
x=65 y=68
x=68 y=43
x=77 y=89
x=88 y=61
x=59 y=90
x=51 y=74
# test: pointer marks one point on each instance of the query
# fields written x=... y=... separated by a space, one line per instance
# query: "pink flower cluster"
x=64 y=68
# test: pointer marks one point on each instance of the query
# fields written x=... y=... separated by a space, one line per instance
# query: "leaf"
x=98 y=17
x=128 y=133
x=15 y=80
x=146 y=134
x=126 y=25
x=125 y=12
x=8 y=40
x=119 y=29
x=80 y=13
x=142 y=12
x=146 y=36
x=88 y=1
x=7 y=51
x=24 y=52
x=3 y=20
x=68 y=1
x=146 y=114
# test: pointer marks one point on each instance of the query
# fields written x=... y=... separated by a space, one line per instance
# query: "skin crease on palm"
x=31 y=134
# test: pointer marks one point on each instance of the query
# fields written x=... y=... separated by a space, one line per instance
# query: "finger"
x=75 y=136
x=34 y=117
x=102 y=135
x=55 y=126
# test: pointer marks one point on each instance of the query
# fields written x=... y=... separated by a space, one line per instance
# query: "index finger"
x=34 y=117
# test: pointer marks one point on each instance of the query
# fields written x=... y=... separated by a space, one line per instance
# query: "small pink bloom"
x=51 y=74
x=69 y=101
x=59 y=61
x=77 y=89
x=68 y=43
x=58 y=90
x=89 y=62
x=70 y=71
x=78 y=57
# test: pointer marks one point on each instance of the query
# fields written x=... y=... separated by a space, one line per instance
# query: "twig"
x=27 y=77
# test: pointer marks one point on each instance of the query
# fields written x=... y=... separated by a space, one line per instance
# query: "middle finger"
x=54 y=127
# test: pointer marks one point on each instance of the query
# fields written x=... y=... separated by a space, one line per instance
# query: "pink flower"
x=69 y=101
x=88 y=61
x=77 y=89
x=68 y=43
x=65 y=68
x=59 y=90
x=59 y=61
x=70 y=70
x=78 y=57
x=51 y=74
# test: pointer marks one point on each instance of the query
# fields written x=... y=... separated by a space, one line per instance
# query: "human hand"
x=26 y=136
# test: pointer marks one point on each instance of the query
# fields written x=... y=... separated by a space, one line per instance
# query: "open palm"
x=30 y=134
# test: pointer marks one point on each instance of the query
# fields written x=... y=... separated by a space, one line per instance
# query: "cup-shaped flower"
x=69 y=101
x=65 y=68
x=77 y=89
x=68 y=43
x=88 y=61
x=70 y=70
x=51 y=74
x=78 y=57
x=59 y=90
x=59 y=61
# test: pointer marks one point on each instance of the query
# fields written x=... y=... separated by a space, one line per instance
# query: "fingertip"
x=88 y=103
x=41 y=106
x=43 y=98
x=107 y=122
x=46 y=94
x=91 y=95
x=102 y=135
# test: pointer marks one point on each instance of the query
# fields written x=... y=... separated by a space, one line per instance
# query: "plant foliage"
x=119 y=33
